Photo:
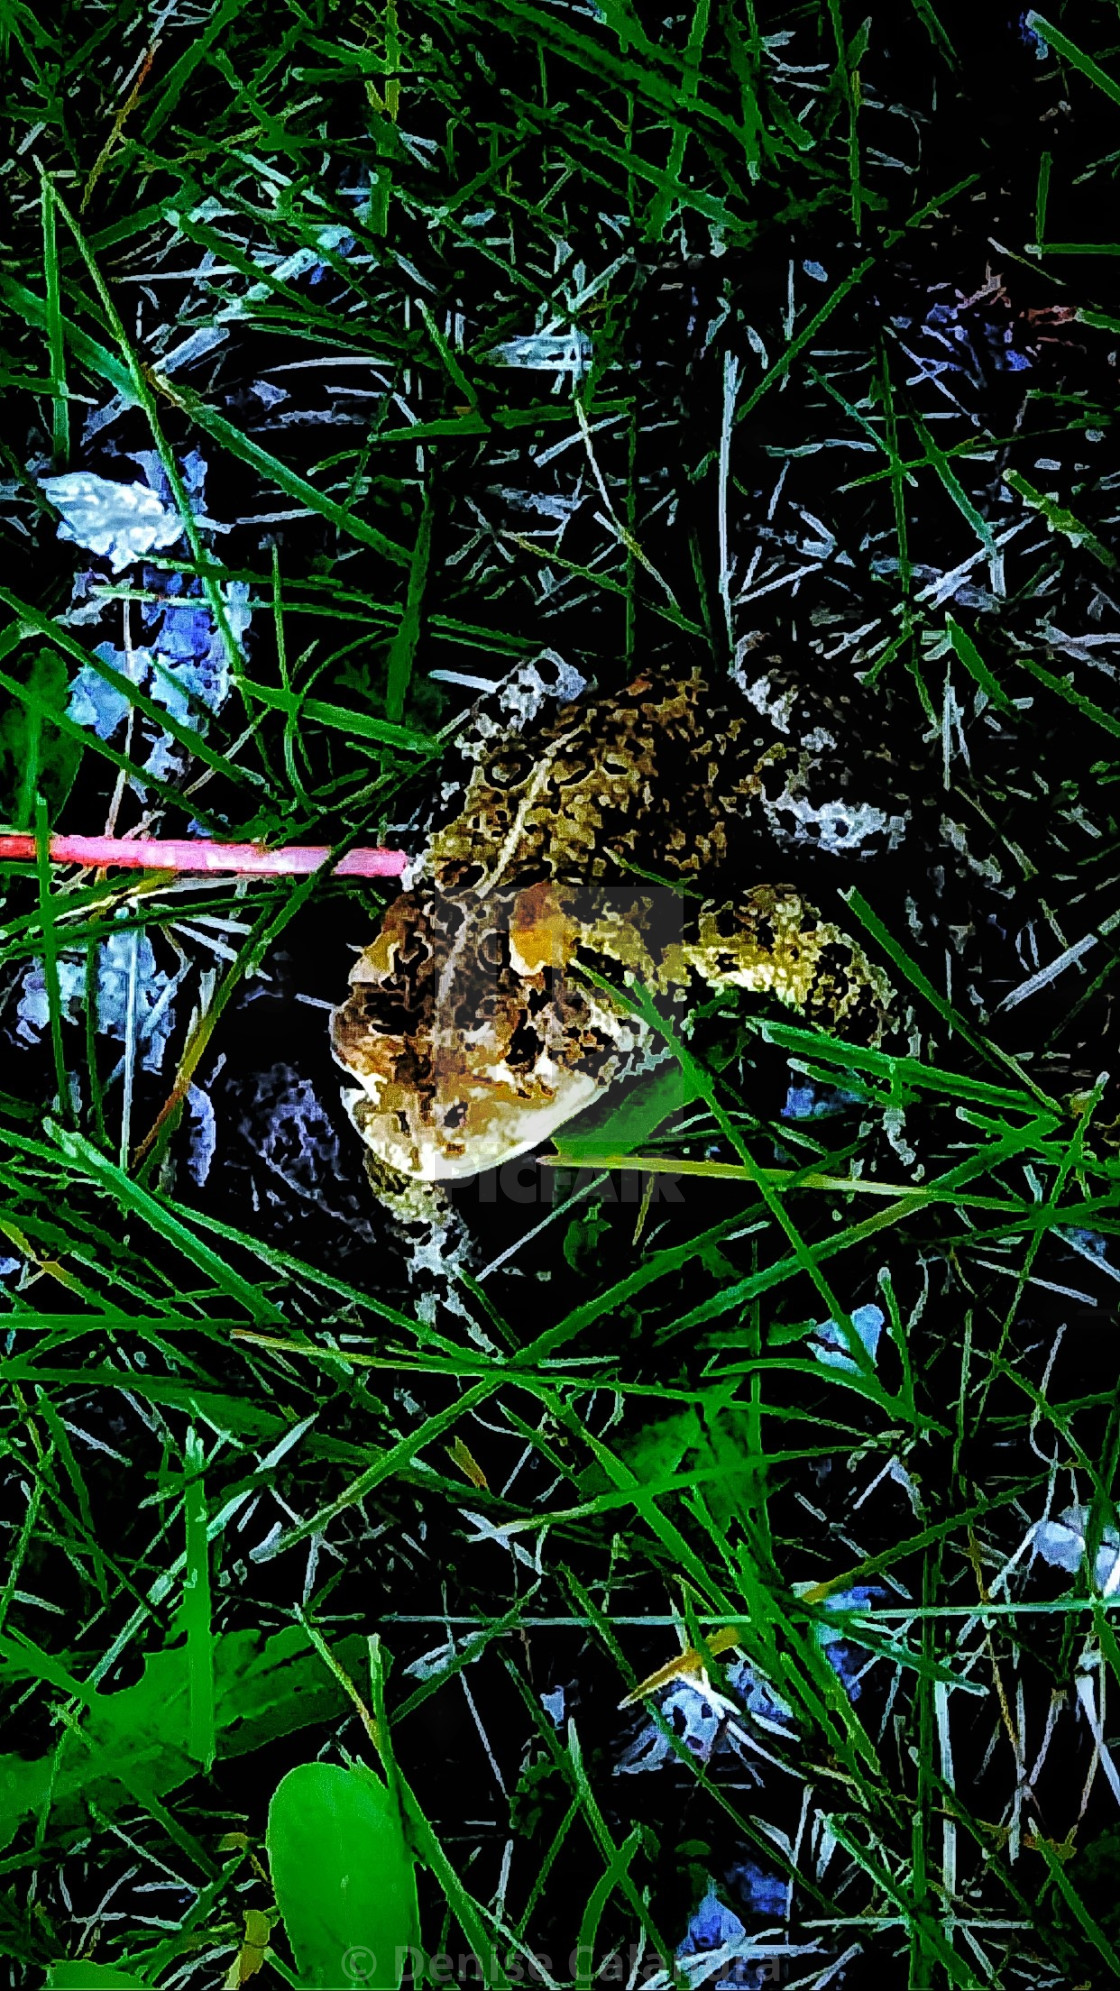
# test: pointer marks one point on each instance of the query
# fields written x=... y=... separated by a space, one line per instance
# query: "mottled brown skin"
x=665 y=754
x=468 y=1029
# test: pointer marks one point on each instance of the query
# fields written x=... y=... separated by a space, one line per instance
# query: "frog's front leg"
x=775 y=943
x=409 y=1199
x=434 y=1241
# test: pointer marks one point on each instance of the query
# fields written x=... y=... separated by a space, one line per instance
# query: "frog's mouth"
x=483 y=1124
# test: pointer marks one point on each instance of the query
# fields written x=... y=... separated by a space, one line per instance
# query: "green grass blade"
x=138 y=1202
x=197 y=1605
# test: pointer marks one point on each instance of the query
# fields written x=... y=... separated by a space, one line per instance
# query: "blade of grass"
x=289 y=481
x=925 y=1933
x=138 y=1202
x=186 y=736
x=905 y=1072
x=56 y=339
x=970 y=657
x=1058 y=518
x=702 y=1086
x=660 y=207
x=655 y=82
x=402 y=650
x=616 y=1873
x=1062 y=45
x=142 y=776
x=390 y=1463
x=910 y=971
x=266 y=929
x=197 y=1606
x=181 y=72
x=1077 y=1907
x=813 y=325
x=939 y=462
x=50 y=957
x=786 y=1268
x=100 y=361
x=1062 y=687
x=146 y=399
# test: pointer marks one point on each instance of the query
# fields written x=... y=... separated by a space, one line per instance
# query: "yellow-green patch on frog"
x=468 y=1028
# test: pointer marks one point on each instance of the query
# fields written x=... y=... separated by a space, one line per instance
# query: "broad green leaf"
x=135 y=1745
x=77 y=1975
x=619 y=1125
x=343 y=1876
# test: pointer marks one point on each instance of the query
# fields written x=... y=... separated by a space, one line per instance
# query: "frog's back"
x=673 y=774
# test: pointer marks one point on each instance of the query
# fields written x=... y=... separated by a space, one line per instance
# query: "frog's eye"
x=455 y=1115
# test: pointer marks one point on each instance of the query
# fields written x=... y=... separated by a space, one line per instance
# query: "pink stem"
x=197 y=854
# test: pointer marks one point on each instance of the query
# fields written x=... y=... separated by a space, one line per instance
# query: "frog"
x=641 y=838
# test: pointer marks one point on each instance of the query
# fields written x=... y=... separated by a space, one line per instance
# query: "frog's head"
x=469 y=1042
